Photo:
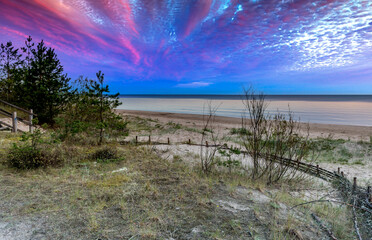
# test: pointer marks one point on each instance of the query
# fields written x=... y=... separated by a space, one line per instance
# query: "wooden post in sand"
x=149 y=138
x=168 y=141
x=189 y=141
x=136 y=140
x=206 y=143
x=354 y=184
x=30 y=118
x=14 y=122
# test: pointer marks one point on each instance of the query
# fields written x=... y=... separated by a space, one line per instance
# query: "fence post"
x=136 y=140
x=168 y=141
x=14 y=122
x=149 y=138
x=30 y=118
x=354 y=184
x=189 y=141
x=206 y=143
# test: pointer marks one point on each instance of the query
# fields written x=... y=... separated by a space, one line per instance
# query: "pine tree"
x=102 y=103
x=10 y=64
x=46 y=87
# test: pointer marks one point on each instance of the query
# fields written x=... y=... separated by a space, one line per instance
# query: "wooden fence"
x=4 y=111
x=314 y=170
x=354 y=195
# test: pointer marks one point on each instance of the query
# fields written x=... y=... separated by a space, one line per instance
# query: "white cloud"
x=193 y=84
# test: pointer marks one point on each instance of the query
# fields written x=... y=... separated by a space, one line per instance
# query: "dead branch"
x=323 y=200
x=356 y=222
x=322 y=226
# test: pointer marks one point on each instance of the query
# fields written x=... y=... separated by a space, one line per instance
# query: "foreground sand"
x=346 y=132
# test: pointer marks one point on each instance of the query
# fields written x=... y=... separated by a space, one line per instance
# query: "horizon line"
x=213 y=94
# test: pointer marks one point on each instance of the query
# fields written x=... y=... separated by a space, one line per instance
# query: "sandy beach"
x=354 y=133
x=224 y=125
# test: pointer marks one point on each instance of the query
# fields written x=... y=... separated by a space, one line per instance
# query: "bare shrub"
x=273 y=141
x=255 y=122
x=210 y=139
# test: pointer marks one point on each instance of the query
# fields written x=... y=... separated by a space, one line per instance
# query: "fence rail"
x=15 y=118
x=18 y=108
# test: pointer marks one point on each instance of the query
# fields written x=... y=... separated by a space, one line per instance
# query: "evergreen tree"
x=102 y=103
x=10 y=63
x=90 y=112
x=46 y=87
x=27 y=50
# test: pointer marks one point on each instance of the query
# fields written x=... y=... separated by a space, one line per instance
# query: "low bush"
x=33 y=152
x=26 y=157
x=105 y=154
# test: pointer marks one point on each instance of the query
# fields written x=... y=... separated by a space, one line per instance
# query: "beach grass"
x=135 y=193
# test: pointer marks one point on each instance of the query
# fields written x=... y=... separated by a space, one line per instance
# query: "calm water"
x=335 y=109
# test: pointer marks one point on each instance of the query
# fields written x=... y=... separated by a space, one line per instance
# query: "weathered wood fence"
x=308 y=168
x=15 y=118
x=361 y=195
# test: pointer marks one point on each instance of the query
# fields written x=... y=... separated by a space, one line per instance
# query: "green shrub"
x=239 y=131
x=105 y=154
x=228 y=161
x=32 y=152
x=28 y=157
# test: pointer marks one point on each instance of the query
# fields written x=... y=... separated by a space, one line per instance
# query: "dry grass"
x=142 y=196
x=89 y=192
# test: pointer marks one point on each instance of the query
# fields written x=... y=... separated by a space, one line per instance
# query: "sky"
x=204 y=46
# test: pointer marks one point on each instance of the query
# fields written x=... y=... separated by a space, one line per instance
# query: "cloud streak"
x=193 y=85
x=199 y=41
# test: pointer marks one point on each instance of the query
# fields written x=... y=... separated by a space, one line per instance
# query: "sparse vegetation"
x=140 y=195
x=239 y=131
x=342 y=151
x=228 y=160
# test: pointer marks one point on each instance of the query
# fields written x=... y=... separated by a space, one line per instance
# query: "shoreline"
x=352 y=132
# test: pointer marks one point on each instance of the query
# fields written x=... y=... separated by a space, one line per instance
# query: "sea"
x=326 y=109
